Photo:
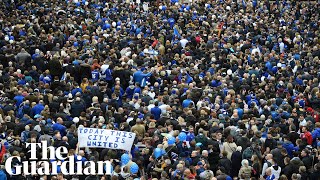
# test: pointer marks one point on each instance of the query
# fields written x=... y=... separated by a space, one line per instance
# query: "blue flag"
x=97 y=15
x=176 y=33
x=63 y=78
x=244 y=3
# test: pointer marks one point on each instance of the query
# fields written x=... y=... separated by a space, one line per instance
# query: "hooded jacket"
x=316 y=133
x=139 y=77
x=289 y=147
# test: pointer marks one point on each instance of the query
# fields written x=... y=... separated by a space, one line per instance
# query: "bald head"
x=81 y=153
x=65 y=139
x=269 y=156
x=59 y=120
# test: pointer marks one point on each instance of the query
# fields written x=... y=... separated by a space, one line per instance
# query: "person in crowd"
x=219 y=86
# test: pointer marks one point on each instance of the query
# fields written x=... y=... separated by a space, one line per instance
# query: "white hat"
x=75 y=119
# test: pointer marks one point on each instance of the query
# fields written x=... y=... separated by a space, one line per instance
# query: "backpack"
x=108 y=74
x=247 y=153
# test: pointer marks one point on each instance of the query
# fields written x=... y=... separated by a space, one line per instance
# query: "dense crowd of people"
x=227 y=89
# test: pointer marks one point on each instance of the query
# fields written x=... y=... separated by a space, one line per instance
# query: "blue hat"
x=75 y=62
x=142 y=69
x=6 y=144
x=49 y=121
x=29 y=122
x=37 y=116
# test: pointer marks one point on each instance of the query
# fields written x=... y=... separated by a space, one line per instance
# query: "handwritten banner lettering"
x=103 y=138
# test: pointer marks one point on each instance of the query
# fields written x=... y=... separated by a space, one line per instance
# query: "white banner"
x=103 y=138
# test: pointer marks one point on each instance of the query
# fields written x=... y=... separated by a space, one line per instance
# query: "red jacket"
x=307 y=135
x=2 y=152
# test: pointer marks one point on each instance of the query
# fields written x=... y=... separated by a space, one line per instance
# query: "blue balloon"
x=171 y=140
x=157 y=152
x=188 y=7
x=83 y=1
x=182 y=136
x=125 y=159
x=164 y=8
x=108 y=26
x=183 y=6
x=134 y=168
x=76 y=44
x=11 y=38
x=78 y=4
x=119 y=23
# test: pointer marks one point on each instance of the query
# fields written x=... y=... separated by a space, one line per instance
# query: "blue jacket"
x=156 y=111
x=74 y=91
x=37 y=109
x=121 y=90
x=3 y=175
x=189 y=79
x=19 y=99
x=108 y=74
x=129 y=92
x=272 y=177
x=186 y=103
x=137 y=90
x=289 y=147
x=316 y=133
x=139 y=77
x=60 y=128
